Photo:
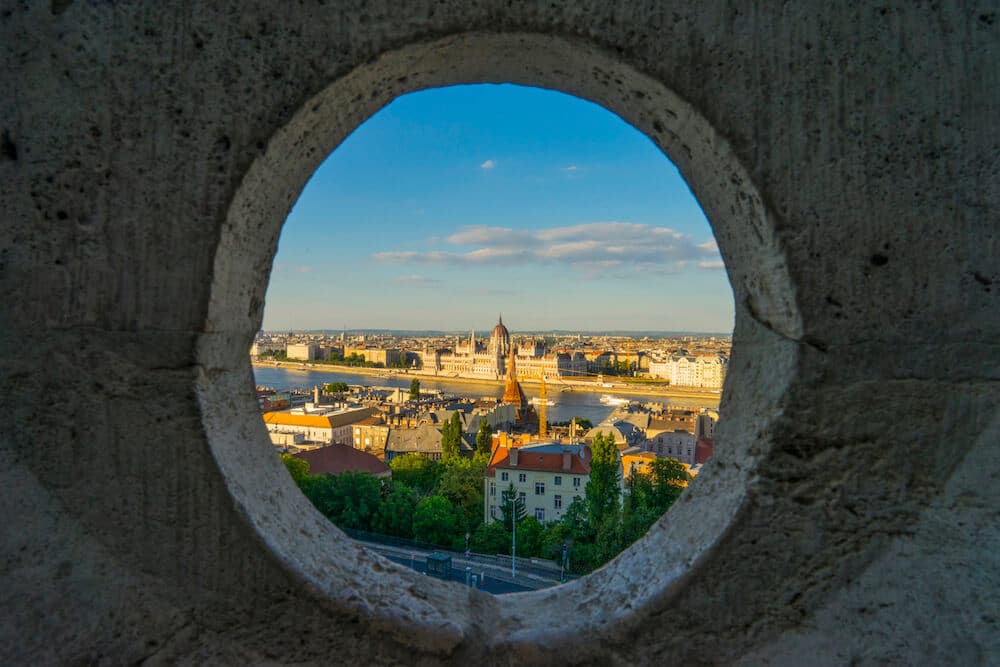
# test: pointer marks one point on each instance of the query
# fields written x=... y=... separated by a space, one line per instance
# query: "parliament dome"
x=500 y=331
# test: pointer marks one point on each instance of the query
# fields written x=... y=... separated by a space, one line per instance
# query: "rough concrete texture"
x=847 y=157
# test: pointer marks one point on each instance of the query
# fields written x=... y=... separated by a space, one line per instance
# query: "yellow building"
x=639 y=462
x=324 y=428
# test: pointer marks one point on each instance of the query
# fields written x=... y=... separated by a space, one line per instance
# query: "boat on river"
x=607 y=399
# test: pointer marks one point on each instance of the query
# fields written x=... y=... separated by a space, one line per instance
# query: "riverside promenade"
x=611 y=385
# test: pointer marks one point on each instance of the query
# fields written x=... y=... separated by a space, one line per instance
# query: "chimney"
x=567 y=460
x=513 y=457
x=316 y=394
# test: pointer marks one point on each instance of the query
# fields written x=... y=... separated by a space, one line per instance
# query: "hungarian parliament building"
x=488 y=359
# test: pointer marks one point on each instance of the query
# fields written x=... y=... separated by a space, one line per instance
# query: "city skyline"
x=453 y=204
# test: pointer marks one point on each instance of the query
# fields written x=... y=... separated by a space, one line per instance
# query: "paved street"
x=497 y=579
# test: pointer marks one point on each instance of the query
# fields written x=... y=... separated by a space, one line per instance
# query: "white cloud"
x=496 y=236
x=596 y=249
x=489 y=164
x=571 y=168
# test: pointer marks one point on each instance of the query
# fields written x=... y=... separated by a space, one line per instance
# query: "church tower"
x=513 y=393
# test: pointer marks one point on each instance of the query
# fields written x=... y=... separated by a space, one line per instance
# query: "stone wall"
x=846 y=156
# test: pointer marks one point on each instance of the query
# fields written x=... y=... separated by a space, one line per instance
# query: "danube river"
x=567 y=404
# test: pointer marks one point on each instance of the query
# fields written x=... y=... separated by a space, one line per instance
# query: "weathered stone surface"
x=847 y=159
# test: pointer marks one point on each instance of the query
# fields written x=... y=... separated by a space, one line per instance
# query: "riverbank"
x=707 y=398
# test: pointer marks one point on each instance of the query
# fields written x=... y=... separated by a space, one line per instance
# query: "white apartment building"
x=303 y=351
x=547 y=477
x=706 y=371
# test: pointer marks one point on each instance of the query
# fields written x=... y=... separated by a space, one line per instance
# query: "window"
x=540 y=514
x=524 y=497
x=557 y=502
x=576 y=482
x=504 y=476
x=558 y=480
x=521 y=477
x=539 y=488
x=493 y=489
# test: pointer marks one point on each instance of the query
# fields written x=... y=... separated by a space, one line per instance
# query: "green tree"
x=297 y=468
x=583 y=424
x=484 y=438
x=461 y=483
x=414 y=389
x=335 y=387
x=555 y=536
x=451 y=437
x=603 y=490
x=608 y=542
x=349 y=499
x=576 y=521
x=669 y=477
x=416 y=471
x=511 y=505
x=395 y=514
x=491 y=538
x=436 y=521
x=530 y=537
x=638 y=513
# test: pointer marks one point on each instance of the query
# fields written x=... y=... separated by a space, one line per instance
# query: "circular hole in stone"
x=445 y=208
x=647 y=579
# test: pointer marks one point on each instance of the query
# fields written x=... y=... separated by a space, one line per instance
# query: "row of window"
x=523 y=477
x=557 y=502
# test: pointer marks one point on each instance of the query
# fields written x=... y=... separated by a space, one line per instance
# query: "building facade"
x=377 y=355
x=488 y=359
x=326 y=428
x=701 y=371
x=547 y=478
x=370 y=435
x=303 y=351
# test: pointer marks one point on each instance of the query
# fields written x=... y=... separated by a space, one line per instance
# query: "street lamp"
x=513 y=535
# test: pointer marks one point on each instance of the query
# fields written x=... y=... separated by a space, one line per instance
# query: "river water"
x=567 y=404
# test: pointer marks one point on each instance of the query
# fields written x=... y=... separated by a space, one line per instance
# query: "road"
x=497 y=578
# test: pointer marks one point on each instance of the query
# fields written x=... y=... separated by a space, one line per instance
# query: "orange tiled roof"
x=318 y=421
x=535 y=461
x=288 y=419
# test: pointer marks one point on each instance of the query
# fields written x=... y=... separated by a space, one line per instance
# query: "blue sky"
x=453 y=204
